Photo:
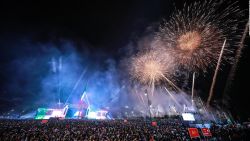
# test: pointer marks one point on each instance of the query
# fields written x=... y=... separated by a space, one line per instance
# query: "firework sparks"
x=189 y=41
x=195 y=34
x=234 y=66
x=215 y=75
x=152 y=68
x=149 y=67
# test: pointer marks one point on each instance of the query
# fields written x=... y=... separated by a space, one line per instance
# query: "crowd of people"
x=107 y=130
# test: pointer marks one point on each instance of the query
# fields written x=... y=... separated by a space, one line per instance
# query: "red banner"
x=44 y=121
x=206 y=132
x=193 y=132
x=154 y=123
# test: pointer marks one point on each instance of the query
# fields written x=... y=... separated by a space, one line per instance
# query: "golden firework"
x=189 y=41
x=150 y=67
x=194 y=35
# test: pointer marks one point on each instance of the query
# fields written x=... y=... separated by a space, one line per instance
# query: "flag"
x=193 y=132
x=206 y=132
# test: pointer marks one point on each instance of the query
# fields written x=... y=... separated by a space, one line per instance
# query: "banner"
x=193 y=132
x=44 y=121
x=154 y=123
x=206 y=132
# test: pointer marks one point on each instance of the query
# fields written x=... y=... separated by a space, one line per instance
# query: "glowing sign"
x=44 y=113
x=188 y=117
x=97 y=114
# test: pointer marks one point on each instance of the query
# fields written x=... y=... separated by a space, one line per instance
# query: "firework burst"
x=195 y=34
x=148 y=68
x=152 y=68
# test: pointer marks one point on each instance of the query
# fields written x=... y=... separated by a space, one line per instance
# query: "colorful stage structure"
x=79 y=110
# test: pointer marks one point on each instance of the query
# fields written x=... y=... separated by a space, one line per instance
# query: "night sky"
x=99 y=30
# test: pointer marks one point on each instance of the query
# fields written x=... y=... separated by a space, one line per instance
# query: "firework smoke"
x=195 y=34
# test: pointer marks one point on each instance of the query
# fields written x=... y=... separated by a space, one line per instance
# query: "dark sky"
x=105 y=26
